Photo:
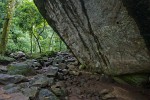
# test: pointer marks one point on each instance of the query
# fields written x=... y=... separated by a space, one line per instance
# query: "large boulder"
x=17 y=55
x=21 y=68
x=7 y=79
x=110 y=36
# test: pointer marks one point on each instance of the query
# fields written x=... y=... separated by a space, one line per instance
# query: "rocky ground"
x=59 y=77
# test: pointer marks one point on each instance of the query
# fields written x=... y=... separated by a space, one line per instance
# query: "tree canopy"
x=28 y=31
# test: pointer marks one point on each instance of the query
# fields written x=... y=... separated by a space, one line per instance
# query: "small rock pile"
x=38 y=79
x=59 y=78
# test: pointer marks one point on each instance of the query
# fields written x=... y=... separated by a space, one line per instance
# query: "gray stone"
x=52 y=71
x=18 y=54
x=106 y=36
x=70 y=60
x=15 y=89
x=46 y=64
x=71 y=67
x=62 y=66
x=33 y=63
x=3 y=69
x=11 y=85
x=58 y=59
x=59 y=91
x=24 y=85
x=41 y=81
x=46 y=94
x=7 y=79
x=21 y=68
x=30 y=92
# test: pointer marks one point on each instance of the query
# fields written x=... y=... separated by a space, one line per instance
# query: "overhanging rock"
x=102 y=34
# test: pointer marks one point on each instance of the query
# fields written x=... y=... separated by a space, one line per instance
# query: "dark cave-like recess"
x=140 y=11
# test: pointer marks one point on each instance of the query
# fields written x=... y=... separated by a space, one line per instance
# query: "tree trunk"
x=6 y=26
x=31 y=42
x=106 y=35
x=38 y=42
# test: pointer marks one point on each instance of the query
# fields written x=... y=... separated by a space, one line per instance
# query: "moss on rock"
x=133 y=79
x=21 y=69
x=6 y=60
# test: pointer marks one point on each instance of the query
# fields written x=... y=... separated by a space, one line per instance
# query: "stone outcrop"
x=110 y=36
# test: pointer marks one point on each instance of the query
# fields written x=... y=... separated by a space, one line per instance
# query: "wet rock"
x=46 y=94
x=21 y=69
x=7 y=79
x=30 y=92
x=41 y=81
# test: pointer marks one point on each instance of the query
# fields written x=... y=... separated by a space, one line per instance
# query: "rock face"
x=6 y=79
x=103 y=34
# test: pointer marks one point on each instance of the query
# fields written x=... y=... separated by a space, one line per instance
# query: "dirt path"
x=93 y=87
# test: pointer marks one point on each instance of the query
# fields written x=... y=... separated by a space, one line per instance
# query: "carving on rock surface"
x=100 y=33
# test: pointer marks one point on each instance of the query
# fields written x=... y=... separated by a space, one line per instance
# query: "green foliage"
x=39 y=55
x=48 y=53
x=4 y=59
x=27 y=22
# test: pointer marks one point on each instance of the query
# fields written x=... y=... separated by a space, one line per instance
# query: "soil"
x=91 y=87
